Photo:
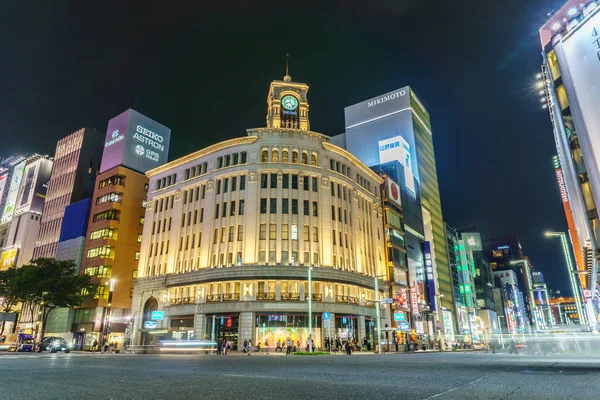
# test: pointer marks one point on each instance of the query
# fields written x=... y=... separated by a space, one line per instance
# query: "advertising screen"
x=13 y=192
x=3 y=188
x=135 y=141
x=8 y=258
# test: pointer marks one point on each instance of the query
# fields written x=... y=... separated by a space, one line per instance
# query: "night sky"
x=204 y=69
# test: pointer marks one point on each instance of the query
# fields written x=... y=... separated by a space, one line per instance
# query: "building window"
x=304 y=158
x=240 y=234
x=233 y=184
x=136 y=256
x=265 y=156
x=306 y=233
x=216 y=236
x=216 y=212
x=243 y=182
x=275 y=155
x=272 y=231
x=106 y=233
x=315 y=183
x=112 y=215
x=295 y=157
x=241 y=207
x=294 y=181
x=315 y=233
x=334 y=240
x=139 y=238
x=263 y=206
x=294 y=206
x=306 y=207
x=285 y=181
x=223 y=234
x=313 y=159
x=284 y=156
x=224 y=213
x=231 y=233
x=264 y=179
x=306 y=182
x=262 y=232
x=243 y=157
x=225 y=185
x=273 y=206
x=284 y=206
x=273 y=181
x=218 y=186
x=315 y=209
x=232 y=209
x=284 y=231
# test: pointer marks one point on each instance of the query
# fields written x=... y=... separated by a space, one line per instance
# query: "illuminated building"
x=134 y=143
x=391 y=133
x=569 y=78
x=231 y=231
x=564 y=310
x=76 y=163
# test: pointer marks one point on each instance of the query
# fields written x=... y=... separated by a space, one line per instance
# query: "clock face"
x=289 y=103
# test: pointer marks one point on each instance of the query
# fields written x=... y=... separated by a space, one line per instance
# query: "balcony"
x=290 y=296
x=231 y=297
x=183 y=301
x=213 y=298
x=265 y=296
x=346 y=299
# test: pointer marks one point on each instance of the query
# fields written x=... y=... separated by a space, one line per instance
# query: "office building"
x=76 y=164
x=569 y=81
x=392 y=134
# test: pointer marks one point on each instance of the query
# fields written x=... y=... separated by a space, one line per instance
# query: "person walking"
x=288 y=350
x=245 y=349
x=219 y=347
x=95 y=346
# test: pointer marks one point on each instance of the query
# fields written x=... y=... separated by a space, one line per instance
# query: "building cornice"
x=335 y=149
x=201 y=153
x=253 y=131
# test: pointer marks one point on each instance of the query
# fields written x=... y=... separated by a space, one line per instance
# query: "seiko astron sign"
x=135 y=141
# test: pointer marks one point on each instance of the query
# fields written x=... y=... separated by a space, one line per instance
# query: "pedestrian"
x=219 y=347
x=278 y=348
x=95 y=345
x=249 y=349
x=288 y=350
x=224 y=347
x=245 y=349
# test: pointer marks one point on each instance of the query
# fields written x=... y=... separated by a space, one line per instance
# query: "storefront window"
x=277 y=327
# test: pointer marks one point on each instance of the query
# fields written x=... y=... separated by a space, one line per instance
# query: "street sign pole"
x=378 y=315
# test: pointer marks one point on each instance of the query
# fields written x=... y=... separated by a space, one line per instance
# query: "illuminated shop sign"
x=430 y=275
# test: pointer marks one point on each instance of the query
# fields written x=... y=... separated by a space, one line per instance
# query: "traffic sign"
x=150 y=324
x=326 y=315
x=387 y=301
x=327 y=323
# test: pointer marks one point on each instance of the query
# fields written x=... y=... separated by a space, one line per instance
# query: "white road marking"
x=458 y=387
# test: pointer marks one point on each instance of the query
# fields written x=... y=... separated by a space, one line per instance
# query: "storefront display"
x=276 y=327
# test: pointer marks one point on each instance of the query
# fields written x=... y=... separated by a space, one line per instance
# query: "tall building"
x=393 y=132
x=76 y=164
x=570 y=77
x=506 y=254
x=233 y=231
x=134 y=143
x=23 y=209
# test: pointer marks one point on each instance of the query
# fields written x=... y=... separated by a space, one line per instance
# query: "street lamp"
x=572 y=271
x=310 y=342
x=530 y=289
x=377 y=311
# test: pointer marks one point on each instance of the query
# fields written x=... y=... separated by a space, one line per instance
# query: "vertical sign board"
x=3 y=189
x=564 y=196
x=430 y=276
x=13 y=192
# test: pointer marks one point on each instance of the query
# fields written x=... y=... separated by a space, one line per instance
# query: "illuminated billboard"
x=9 y=258
x=13 y=192
x=33 y=188
x=135 y=141
x=393 y=192
x=3 y=189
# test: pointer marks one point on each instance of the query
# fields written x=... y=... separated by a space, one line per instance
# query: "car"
x=54 y=344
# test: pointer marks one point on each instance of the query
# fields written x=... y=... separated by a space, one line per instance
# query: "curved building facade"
x=231 y=231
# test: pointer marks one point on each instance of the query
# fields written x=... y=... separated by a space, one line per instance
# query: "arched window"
x=313 y=159
x=284 y=156
x=304 y=158
x=275 y=155
x=295 y=157
x=265 y=156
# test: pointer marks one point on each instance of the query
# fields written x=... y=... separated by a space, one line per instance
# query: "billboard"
x=13 y=192
x=398 y=149
x=393 y=192
x=472 y=241
x=3 y=189
x=8 y=258
x=506 y=277
x=135 y=141
x=430 y=275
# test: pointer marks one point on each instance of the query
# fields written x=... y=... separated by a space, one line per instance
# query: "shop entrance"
x=226 y=328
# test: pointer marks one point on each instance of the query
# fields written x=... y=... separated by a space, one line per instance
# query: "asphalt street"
x=393 y=376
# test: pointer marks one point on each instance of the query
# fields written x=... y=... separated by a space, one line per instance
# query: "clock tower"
x=287 y=106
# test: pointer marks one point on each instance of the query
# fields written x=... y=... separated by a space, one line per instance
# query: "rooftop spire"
x=287 y=77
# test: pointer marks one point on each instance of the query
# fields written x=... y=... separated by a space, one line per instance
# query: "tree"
x=9 y=294
x=46 y=284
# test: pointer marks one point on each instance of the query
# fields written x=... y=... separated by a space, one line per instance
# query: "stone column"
x=246 y=328
x=200 y=327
